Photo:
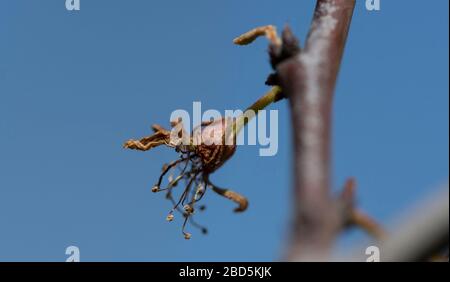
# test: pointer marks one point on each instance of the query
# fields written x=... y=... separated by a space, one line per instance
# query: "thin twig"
x=353 y=216
x=365 y=222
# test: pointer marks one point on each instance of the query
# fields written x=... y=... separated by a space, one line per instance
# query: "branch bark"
x=308 y=80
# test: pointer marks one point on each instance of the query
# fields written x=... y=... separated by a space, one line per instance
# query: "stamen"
x=166 y=169
x=187 y=235
x=203 y=229
x=189 y=209
x=185 y=192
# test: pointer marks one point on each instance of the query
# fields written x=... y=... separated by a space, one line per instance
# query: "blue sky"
x=75 y=85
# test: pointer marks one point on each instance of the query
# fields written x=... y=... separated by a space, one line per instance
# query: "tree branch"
x=423 y=234
x=418 y=235
x=308 y=81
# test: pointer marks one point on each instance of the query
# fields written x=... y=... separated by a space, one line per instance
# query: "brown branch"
x=352 y=216
x=368 y=224
x=308 y=80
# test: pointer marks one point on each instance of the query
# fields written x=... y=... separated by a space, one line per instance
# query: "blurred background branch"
x=418 y=235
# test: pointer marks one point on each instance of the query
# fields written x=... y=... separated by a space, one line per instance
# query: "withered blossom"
x=202 y=151
x=195 y=164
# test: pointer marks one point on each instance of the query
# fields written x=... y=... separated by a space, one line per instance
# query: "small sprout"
x=170 y=178
x=170 y=217
x=187 y=236
x=155 y=188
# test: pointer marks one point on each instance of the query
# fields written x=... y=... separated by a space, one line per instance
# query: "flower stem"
x=270 y=97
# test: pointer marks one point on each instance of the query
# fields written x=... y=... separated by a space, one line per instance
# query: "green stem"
x=262 y=103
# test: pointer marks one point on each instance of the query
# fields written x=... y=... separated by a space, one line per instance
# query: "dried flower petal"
x=235 y=197
x=269 y=31
x=160 y=137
